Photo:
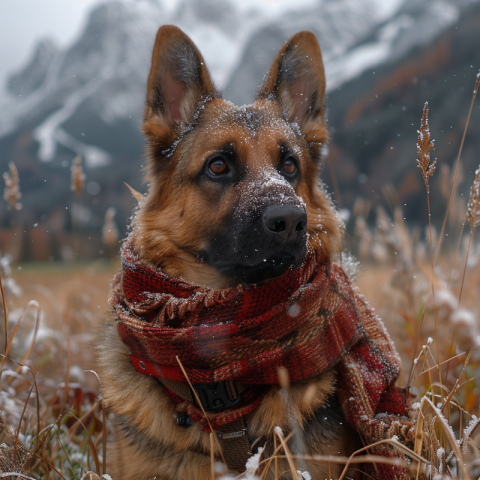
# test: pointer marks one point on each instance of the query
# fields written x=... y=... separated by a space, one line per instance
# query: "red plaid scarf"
x=308 y=320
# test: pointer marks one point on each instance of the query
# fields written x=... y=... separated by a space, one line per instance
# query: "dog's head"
x=234 y=191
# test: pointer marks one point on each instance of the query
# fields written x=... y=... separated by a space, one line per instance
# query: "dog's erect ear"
x=178 y=80
x=297 y=79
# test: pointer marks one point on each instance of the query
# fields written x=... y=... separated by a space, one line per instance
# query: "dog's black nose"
x=284 y=222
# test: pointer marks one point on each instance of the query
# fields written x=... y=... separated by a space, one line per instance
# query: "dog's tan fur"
x=153 y=445
x=171 y=202
x=175 y=218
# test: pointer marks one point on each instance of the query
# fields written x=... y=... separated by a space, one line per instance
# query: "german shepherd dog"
x=210 y=165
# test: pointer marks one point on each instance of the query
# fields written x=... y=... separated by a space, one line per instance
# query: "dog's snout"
x=284 y=222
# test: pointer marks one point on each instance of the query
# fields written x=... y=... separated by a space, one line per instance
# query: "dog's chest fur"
x=149 y=443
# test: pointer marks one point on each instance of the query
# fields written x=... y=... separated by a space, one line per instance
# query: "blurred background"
x=73 y=75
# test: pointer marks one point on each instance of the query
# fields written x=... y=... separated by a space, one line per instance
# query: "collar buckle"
x=218 y=396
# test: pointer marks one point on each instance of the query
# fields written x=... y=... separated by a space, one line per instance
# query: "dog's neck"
x=179 y=263
x=193 y=271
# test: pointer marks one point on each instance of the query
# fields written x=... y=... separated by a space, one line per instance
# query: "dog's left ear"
x=178 y=81
x=297 y=79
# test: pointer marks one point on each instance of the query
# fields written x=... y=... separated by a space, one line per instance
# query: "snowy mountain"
x=353 y=36
x=106 y=69
x=338 y=24
x=374 y=118
x=414 y=24
x=88 y=98
x=32 y=77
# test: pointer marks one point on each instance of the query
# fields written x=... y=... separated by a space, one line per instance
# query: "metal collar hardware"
x=227 y=436
x=218 y=396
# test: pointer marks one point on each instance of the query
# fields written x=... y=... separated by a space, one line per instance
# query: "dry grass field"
x=73 y=301
x=61 y=311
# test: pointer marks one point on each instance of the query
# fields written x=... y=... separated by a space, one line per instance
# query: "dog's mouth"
x=255 y=250
x=267 y=269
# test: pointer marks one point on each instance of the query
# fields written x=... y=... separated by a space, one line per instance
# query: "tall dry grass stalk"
x=475 y=90
x=5 y=314
x=110 y=233
x=12 y=188
x=424 y=147
x=77 y=185
x=78 y=177
x=473 y=216
x=473 y=209
x=12 y=193
x=427 y=167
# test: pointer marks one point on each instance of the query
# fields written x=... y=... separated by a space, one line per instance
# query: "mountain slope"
x=374 y=118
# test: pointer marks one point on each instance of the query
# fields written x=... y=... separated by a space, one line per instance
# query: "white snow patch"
x=344 y=214
x=293 y=310
x=390 y=31
x=385 y=9
x=252 y=465
x=49 y=133
x=355 y=62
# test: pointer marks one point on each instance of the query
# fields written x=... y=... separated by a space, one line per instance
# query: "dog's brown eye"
x=218 y=166
x=289 y=166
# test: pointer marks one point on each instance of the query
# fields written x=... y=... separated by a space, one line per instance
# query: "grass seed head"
x=110 y=230
x=12 y=188
x=477 y=84
x=473 y=209
x=424 y=146
x=78 y=177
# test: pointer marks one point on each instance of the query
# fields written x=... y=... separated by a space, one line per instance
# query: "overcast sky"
x=23 y=22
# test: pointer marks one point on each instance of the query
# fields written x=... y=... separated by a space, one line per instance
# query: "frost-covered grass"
x=73 y=300
x=398 y=285
x=51 y=405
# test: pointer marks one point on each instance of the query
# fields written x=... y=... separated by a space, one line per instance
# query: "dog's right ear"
x=178 y=80
x=297 y=80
